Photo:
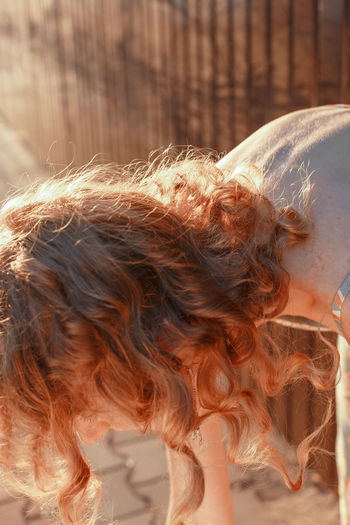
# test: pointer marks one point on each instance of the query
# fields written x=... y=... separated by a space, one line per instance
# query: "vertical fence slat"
x=248 y=59
x=147 y=65
x=269 y=66
x=231 y=73
x=24 y=83
x=153 y=77
x=116 y=108
x=323 y=463
x=19 y=76
x=199 y=72
x=85 y=47
x=315 y=55
x=79 y=65
x=53 y=144
x=97 y=75
x=213 y=98
x=344 y=53
x=162 y=36
x=291 y=63
x=102 y=21
x=168 y=76
x=185 y=72
x=62 y=68
x=125 y=44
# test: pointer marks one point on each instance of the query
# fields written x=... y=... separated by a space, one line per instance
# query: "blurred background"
x=123 y=77
x=120 y=78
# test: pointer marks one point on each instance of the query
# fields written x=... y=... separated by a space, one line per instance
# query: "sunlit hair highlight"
x=108 y=278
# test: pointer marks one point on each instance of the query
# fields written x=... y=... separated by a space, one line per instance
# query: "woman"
x=134 y=301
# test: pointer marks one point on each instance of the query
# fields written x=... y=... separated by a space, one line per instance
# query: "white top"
x=317 y=140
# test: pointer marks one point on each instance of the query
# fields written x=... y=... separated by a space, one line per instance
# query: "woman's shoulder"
x=315 y=142
x=312 y=141
x=309 y=138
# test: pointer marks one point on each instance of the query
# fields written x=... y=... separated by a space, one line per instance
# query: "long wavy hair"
x=108 y=277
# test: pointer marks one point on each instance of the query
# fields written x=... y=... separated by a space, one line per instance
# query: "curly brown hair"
x=107 y=277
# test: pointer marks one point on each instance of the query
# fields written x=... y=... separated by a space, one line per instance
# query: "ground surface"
x=135 y=481
x=133 y=468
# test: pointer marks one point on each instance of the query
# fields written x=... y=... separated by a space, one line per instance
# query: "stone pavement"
x=133 y=467
x=136 y=488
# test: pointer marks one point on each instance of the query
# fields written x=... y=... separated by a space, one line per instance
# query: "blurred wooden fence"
x=300 y=409
x=123 y=77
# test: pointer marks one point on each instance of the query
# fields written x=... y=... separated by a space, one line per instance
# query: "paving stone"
x=310 y=507
x=239 y=475
x=4 y=496
x=39 y=521
x=149 y=459
x=125 y=436
x=268 y=495
x=158 y=493
x=144 y=519
x=119 y=499
x=101 y=456
x=33 y=515
x=11 y=514
x=247 y=509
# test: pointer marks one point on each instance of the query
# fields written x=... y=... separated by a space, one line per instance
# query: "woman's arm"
x=216 y=508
